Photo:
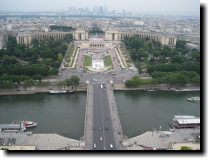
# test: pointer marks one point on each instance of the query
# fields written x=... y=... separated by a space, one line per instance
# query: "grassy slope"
x=108 y=61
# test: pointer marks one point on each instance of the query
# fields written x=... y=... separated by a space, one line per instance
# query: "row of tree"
x=72 y=81
x=7 y=81
x=19 y=78
x=137 y=81
x=187 y=66
x=180 y=78
x=62 y=28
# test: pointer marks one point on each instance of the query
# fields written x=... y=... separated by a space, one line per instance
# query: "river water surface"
x=62 y=114
x=65 y=114
x=145 y=111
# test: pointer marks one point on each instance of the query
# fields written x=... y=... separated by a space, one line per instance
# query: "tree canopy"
x=173 y=65
x=62 y=28
x=19 y=63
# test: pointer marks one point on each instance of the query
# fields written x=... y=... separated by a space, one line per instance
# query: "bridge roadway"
x=102 y=125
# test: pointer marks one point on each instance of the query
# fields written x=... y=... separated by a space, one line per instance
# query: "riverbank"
x=29 y=141
x=164 y=140
x=83 y=87
x=151 y=140
x=45 y=89
x=122 y=87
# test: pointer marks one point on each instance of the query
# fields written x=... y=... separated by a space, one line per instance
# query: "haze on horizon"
x=172 y=7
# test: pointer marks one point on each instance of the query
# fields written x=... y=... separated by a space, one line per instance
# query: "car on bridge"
x=94 y=145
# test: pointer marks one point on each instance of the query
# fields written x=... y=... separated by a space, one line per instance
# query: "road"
x=102 y=122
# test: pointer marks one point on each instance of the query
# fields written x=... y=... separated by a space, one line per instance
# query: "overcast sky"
x=142 y=6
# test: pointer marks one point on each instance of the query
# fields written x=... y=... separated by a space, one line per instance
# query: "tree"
x=47 y=61
x=37 y=77
x=20 y=50
x=35 y=43
x=134 y=42
x=28 y=83
x=166 y=52
x=60 y=57
x=156 y=53
x=73 y=81
x=61 y=28
x=195 y=56
x=196 y=80
x=135 y=55
x=11 y=44
x=133 y=83
x=68 y=38
x=178 y=59
x=6 y=84
x=181 y=44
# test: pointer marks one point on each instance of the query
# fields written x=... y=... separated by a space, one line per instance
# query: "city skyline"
x=178 y=7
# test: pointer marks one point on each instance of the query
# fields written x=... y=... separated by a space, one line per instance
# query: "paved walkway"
x=42 y=141
x=115 y=119
x=88 y=133
x=162 y=139
x=51 y=142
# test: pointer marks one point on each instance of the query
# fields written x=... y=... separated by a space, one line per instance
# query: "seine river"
x=144 y=111
x=65 y=114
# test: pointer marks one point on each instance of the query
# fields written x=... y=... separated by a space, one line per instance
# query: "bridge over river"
x=102 y=124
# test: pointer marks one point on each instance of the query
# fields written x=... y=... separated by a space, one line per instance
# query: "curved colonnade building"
x=164 y=40
x=82 y=35
x=26 y=38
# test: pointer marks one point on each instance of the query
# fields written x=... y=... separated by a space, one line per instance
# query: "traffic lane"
x=97 y=118
x=109 y=134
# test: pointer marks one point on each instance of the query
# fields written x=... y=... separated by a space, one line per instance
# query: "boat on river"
x=27 y=124
x=185 y=89
x=184 y=116
x=60 y=92
x=194 y=99
x=20 y=127
x=185 y=121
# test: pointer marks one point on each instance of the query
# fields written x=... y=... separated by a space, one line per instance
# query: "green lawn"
x=108 y=61
x=69 y=58
x=87 y=62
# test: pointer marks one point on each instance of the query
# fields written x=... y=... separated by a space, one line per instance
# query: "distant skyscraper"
x=101 y=10
x=105 y=9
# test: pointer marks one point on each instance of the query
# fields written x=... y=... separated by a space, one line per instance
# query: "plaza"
x=97 y=56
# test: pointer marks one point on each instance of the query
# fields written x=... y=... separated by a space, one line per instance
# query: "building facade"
x=26 y=38
x=82 y=35
x=119 y=36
